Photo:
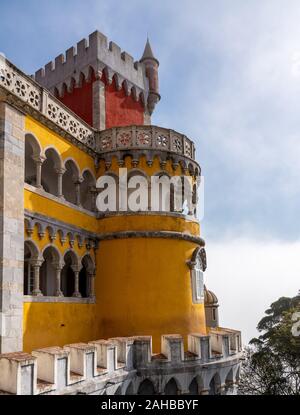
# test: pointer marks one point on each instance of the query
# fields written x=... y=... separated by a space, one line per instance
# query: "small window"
x=198 y=284
x=214 y=314
x=197 y=265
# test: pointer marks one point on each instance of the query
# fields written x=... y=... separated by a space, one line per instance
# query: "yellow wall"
x=143 y=285
x=57 y=324
x=48 y=138
x=145 y=289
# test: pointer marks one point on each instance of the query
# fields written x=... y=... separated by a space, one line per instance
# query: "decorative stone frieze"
x=58 y=229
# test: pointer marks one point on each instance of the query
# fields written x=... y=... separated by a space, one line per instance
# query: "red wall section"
x=80 y=100
x=120 y=109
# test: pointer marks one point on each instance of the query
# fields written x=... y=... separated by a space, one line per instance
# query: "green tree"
x=271 y=363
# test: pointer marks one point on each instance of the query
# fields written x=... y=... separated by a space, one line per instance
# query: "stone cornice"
x=63 y=228
x=152 y=234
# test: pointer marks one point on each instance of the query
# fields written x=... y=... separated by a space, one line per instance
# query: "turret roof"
x=148 y=53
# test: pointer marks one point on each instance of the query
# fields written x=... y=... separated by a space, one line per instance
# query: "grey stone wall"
x=12 y=139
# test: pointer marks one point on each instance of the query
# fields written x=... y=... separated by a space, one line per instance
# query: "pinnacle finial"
x=148 y=54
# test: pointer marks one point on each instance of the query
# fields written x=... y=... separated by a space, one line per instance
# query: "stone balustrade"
x=34 y=97
x=146 y=137
x=91 y=367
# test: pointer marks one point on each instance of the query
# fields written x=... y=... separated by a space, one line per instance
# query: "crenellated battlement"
x=90 y=367
x=98 y=54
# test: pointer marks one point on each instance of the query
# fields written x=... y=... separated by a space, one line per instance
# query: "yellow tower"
x=150 y=264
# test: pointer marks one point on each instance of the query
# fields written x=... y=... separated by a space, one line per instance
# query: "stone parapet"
x=103 y=365
x=30 y=97
x=100 y=55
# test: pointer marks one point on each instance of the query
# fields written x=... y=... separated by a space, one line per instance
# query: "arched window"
x=49 y=269
x=138 y=196
x=193 y=388
x=108 y=192
x=146 y=388
x=71 y=183
x=52 y=171
x=162 y=194
x=70 y=275
x=33 y=160
x=86 y=276
x=171 y=387
x=31 y=260
x=197 y=265
x=214 y=385
x=87 y=191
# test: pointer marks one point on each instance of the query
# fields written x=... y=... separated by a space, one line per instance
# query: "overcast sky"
x=230 y=80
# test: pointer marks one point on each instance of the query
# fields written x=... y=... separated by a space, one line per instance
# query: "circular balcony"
x=148 y=140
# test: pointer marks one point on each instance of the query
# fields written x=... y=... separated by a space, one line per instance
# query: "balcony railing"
x=39 y=99
x=146 y=137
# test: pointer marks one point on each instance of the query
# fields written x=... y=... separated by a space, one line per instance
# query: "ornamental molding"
x=59 y=229
x=152 y=234
x=200 y=253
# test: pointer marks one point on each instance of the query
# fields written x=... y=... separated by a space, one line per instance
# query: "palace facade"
x=88 y=298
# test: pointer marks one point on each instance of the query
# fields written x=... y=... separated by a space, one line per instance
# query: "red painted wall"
x=80 y=100
x=120 y=109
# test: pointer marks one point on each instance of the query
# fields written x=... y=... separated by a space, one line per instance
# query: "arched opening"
x=32 y=157
x=86 y=190
x=161 y=192
x=85 y=275
x=194 y=388
x=214 y=385
x=229 y=381
x=51 y=169
x=171 y=387
x=48 y=271
x=71 y=183
x=146 y=388
x=68 y=274
x=129 y=389
x=30 y=258
x=138 y=195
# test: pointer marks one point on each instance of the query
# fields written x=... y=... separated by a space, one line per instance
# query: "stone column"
x=91 y=278
x=36 y=265
x=58 y=291
x=77 y=191
x=99 y=103
x=60 y=173
x=12 y=156
x=38 y=164
x=93 y=193
x=76 y=291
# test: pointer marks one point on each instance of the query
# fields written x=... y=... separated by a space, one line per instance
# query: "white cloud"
x=248 y=275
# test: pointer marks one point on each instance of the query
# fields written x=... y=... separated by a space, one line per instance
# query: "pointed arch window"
x=197 y=266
